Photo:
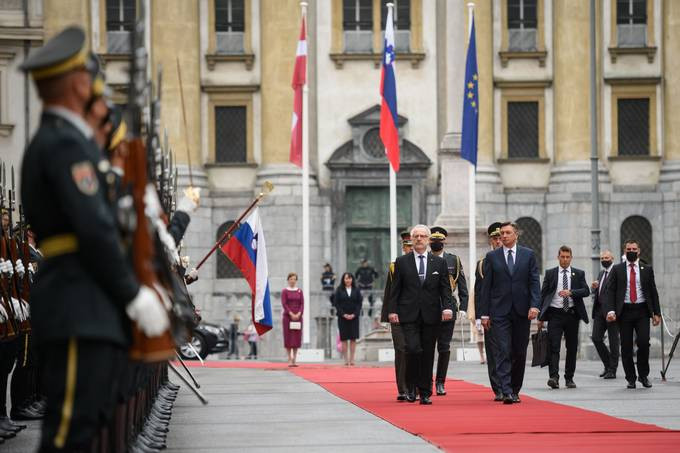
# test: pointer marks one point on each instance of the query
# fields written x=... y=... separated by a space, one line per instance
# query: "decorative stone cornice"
x=247 y=58
x=340 y=58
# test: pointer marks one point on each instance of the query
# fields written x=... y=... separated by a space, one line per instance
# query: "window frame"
x=613 y=25
x=415 y=54
x=540 y=29
x=634 y=92
x=244 y=112
x=538 y=253
x=230 y=12
x=523 y=94
x=247 y=56
x=647 y=252
x=226 y=97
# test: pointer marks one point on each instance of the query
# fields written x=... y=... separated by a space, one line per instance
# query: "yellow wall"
x=572 y=81
x=671 y=38
x=483 y=35
x=175 y=34
x=59 y=14
x=280 y=31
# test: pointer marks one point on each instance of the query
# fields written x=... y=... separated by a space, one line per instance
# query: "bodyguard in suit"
x=510 y=300
x=564 y=288
x=85 y=285
x=609 y=356
x=395 y=328
x=494 y=232
x=421 y=294
x=632 y=299
x=457 y=280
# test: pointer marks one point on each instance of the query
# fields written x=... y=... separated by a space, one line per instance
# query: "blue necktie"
x=511 y=262
x=421 y=269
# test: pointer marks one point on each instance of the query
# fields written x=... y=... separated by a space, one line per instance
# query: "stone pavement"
x=258 y=410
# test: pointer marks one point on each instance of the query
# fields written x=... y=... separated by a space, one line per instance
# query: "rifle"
x=139 y=174
x=9 y=329
x=19 y=290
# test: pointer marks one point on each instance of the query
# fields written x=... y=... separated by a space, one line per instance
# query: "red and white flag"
x=299 y=80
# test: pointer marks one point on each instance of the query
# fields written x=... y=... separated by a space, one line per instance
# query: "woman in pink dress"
x=293 y=302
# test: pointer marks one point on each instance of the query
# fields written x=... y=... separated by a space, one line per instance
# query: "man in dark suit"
x=631 y=300
x=421 y=293
x=510 y=300
x=609 y=357
x=564 y=288
x=494 y=232
x=395 y=328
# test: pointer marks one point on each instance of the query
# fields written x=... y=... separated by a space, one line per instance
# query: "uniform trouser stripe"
x=69 y=395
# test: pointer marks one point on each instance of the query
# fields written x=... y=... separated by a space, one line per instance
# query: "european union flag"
x=470 y=103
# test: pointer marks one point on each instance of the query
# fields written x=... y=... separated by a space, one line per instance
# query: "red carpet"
x=467 y=420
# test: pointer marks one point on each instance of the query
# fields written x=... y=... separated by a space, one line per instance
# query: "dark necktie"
x=565 y=286
x=511 y=262
x=633 y=285
x=603 y=282
x=421 y=269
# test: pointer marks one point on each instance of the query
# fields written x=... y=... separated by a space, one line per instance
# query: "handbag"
x=295 y=325
x=540 y=347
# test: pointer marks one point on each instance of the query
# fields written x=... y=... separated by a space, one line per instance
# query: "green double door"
x=368 y=226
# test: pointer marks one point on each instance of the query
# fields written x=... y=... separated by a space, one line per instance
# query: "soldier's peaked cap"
x=494 y=229
x=63 y=53
x=438 y=232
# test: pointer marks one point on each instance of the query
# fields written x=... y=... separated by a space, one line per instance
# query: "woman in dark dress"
x=347 y=301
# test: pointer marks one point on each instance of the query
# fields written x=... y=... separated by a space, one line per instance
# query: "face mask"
x=631 y=256
x=606 y=263
x=437 y=246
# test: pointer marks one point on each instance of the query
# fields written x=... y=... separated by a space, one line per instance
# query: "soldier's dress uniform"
x=84 y=283
x=446 y=327
x=489 y=339
x=398 y=340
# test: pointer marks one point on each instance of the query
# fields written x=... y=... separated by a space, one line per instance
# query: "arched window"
x=638 y=228
x=531 y=235
x=225 y=268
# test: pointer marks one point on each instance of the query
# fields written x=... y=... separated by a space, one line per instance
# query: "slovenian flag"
x=299 y=80
x=388 y=90
x=247 y=250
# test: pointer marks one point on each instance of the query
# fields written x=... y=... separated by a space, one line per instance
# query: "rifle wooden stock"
x=10 y=328
x=144 y=348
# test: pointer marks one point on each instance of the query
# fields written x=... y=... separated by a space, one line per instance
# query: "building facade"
x=236 y=58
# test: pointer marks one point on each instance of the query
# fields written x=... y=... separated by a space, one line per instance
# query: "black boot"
x=439 y=386
x=442 y=365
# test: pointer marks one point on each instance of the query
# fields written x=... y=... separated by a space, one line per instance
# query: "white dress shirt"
x=605 y=276
x=416 y=256
x=557 y=301
x=638 y=286
x=349 y=291
x=514 y=253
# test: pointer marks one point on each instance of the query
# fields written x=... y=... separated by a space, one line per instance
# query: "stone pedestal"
x=454 y=186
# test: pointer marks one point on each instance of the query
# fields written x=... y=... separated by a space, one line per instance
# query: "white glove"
x=18 y=312
x=6 y=268
x=186 y=204
x=3 y=314
x=461 y=314
x=19 y=266
x=478 y=324
x=193 y=274
x=147 y=310
x=30 y=268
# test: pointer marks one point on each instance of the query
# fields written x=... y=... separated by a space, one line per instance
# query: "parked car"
x=208 y=338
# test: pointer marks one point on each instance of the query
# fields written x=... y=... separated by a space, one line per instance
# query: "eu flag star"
x=473 y=103
x=474 y=77
x=471 y=85
x=470 y=95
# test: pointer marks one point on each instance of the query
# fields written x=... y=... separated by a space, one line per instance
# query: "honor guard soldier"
x=85 y=284
x=457 y=279
x=494 y=233
x=395 y=328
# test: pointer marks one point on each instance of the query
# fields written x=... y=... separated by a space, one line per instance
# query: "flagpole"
x=472 y=191
x=306 y=277
x=393 y=186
